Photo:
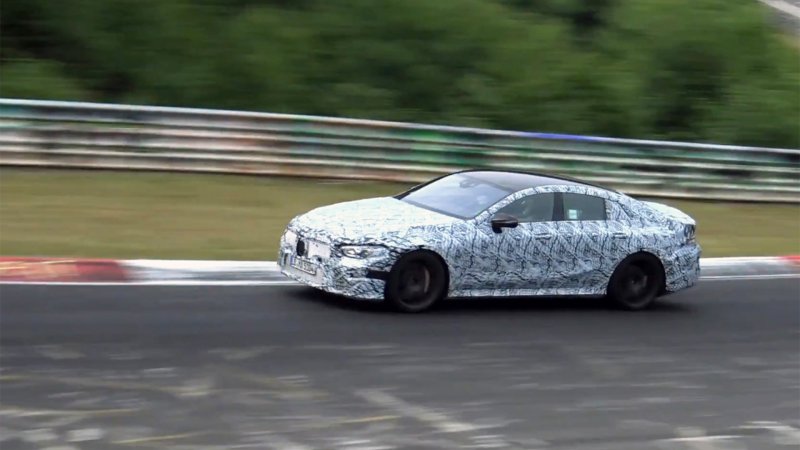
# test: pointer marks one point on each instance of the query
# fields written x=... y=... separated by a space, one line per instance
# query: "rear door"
x=586 y=243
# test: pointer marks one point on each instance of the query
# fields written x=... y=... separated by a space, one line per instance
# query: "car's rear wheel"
x=416 y=282
x=637 y=282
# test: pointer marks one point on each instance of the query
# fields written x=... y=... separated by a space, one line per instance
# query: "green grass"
x=180 y=216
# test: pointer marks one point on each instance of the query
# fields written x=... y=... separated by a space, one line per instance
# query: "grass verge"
x=172 y=216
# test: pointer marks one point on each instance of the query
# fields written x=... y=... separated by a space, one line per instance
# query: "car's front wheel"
x=416 y=282
x=637 y=282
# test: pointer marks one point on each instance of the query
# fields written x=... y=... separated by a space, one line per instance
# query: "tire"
x=417 y=281
x=637 y=282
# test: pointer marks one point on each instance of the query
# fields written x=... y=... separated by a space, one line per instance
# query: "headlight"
x=363 y=251
x=689 y=234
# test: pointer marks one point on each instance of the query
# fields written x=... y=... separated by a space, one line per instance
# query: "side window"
x=532 y=208
x=583 y=207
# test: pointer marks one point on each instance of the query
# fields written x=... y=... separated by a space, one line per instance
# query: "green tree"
x=707 y=70
x=38 y=79
x=691 y=69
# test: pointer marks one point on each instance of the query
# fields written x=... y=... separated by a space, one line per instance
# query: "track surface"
x=717 y=367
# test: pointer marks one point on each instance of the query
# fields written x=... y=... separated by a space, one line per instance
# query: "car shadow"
x=492 y=304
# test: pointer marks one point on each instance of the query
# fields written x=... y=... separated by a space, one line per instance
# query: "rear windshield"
x=458 y=195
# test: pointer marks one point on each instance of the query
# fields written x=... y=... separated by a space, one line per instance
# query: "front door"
x=515 y=260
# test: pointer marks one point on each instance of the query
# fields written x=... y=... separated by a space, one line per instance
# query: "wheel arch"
x=437 y=255
x=421 y=300
x=643 y=252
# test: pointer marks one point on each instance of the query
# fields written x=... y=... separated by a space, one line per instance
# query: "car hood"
x=671 y=212
x=364 y=221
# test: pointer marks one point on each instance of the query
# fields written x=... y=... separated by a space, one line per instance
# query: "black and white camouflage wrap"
x=544 y=258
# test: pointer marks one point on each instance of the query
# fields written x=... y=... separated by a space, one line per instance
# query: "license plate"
x=303 y=265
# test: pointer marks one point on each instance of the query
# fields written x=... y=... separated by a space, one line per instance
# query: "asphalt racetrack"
x=270 y=367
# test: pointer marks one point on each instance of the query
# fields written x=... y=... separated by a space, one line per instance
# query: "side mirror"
x=503 y=220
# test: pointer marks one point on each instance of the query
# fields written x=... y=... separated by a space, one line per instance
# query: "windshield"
x=459 y=195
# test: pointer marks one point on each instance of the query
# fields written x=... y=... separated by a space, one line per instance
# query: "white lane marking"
x=183 y=264
x=38 y=435
x=489 y=441
x=278 y=442
x=701 y=440
x=753 y=277
x=85 y=434
x=221 y=282
x=773 y=276
x=437 y=420
x=241 y=354
x=729 y=260
x=58 y=352
x=363 y=444
x=196 y=388
x=695 y=438
x=785 y=434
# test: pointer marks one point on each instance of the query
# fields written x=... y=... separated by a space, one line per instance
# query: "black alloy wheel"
x=416 y=282
x=637 y=282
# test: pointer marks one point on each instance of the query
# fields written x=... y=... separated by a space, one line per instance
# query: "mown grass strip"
x=192 y=216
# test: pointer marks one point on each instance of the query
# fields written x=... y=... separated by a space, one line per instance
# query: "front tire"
x=637 y=282
x=417 y=281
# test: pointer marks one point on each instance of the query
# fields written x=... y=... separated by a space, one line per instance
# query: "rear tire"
x=637 y=282
x=417 y=281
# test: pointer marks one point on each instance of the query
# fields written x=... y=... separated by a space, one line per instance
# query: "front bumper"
x=683 y=268
x=355 y=278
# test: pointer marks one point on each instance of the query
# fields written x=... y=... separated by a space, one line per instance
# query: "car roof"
x=514 y=181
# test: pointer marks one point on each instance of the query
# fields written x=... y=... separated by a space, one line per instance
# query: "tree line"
x=698 y=70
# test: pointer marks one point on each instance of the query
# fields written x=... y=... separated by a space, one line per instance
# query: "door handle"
x=620 y=235
x=543 y=236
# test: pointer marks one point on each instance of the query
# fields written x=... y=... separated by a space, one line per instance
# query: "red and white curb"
x=30 y=270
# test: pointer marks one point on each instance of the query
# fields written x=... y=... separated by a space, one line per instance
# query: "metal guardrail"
x=91 y=135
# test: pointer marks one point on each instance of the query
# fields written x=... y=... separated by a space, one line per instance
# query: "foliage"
x=48 y=81
x=706 y=70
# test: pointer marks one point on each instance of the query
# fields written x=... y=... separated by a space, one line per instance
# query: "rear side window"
x=583 y=207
